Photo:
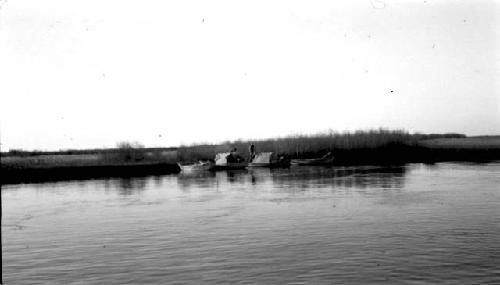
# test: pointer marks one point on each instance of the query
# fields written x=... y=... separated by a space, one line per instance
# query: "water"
x=303 y=225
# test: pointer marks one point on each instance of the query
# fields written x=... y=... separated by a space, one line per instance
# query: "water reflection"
x=233 y=176
x=201 y=179
x=260 y=175
x=301 y=177
x=126 y=186
x=158 y=180
x=349 y=177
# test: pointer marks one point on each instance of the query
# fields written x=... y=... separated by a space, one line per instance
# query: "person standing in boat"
x=251 y=152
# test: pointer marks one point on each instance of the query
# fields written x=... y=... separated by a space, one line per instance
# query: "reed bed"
x=309 y=146
x=379 y=146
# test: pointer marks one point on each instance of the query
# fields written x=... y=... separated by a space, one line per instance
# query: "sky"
x=88 y=74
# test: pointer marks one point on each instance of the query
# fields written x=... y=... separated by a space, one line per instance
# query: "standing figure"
x=251 y=151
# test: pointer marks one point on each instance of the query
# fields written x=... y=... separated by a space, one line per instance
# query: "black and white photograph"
x=250 y=142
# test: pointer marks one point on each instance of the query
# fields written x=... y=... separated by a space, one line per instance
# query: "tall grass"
x=307 y=146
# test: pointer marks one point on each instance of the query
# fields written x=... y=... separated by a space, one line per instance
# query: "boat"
x=268 y=159
x=326 y=159
x=222 y=163
x=198 y=166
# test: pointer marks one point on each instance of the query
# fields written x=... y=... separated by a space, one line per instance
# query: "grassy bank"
x=24 y=166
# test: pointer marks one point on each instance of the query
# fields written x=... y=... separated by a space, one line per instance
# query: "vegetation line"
x=360 y=147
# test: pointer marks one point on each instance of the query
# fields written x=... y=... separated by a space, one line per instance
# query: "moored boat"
x=327 y=159
x=228 y=161
x=198 y=166
x=268 y=159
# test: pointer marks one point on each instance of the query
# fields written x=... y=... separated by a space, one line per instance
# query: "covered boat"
x=268 y=159
x=227 y=161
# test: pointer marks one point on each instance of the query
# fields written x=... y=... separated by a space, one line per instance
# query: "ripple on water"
x=411 y=224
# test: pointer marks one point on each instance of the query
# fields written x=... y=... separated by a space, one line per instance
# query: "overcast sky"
x=84 y=74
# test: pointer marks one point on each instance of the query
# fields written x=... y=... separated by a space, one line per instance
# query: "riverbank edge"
x=84 y=172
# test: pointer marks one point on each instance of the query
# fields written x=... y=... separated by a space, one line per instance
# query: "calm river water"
x=304 y=225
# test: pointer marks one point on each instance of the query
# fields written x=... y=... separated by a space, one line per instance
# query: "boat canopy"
x=263 y=157
x=221 y=158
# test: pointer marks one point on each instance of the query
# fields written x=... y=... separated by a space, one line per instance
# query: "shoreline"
x=11 y=176
x=39 y=167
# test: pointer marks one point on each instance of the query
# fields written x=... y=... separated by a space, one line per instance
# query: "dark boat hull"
x=311 y=162
x=271 y=165
x=229 y=166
